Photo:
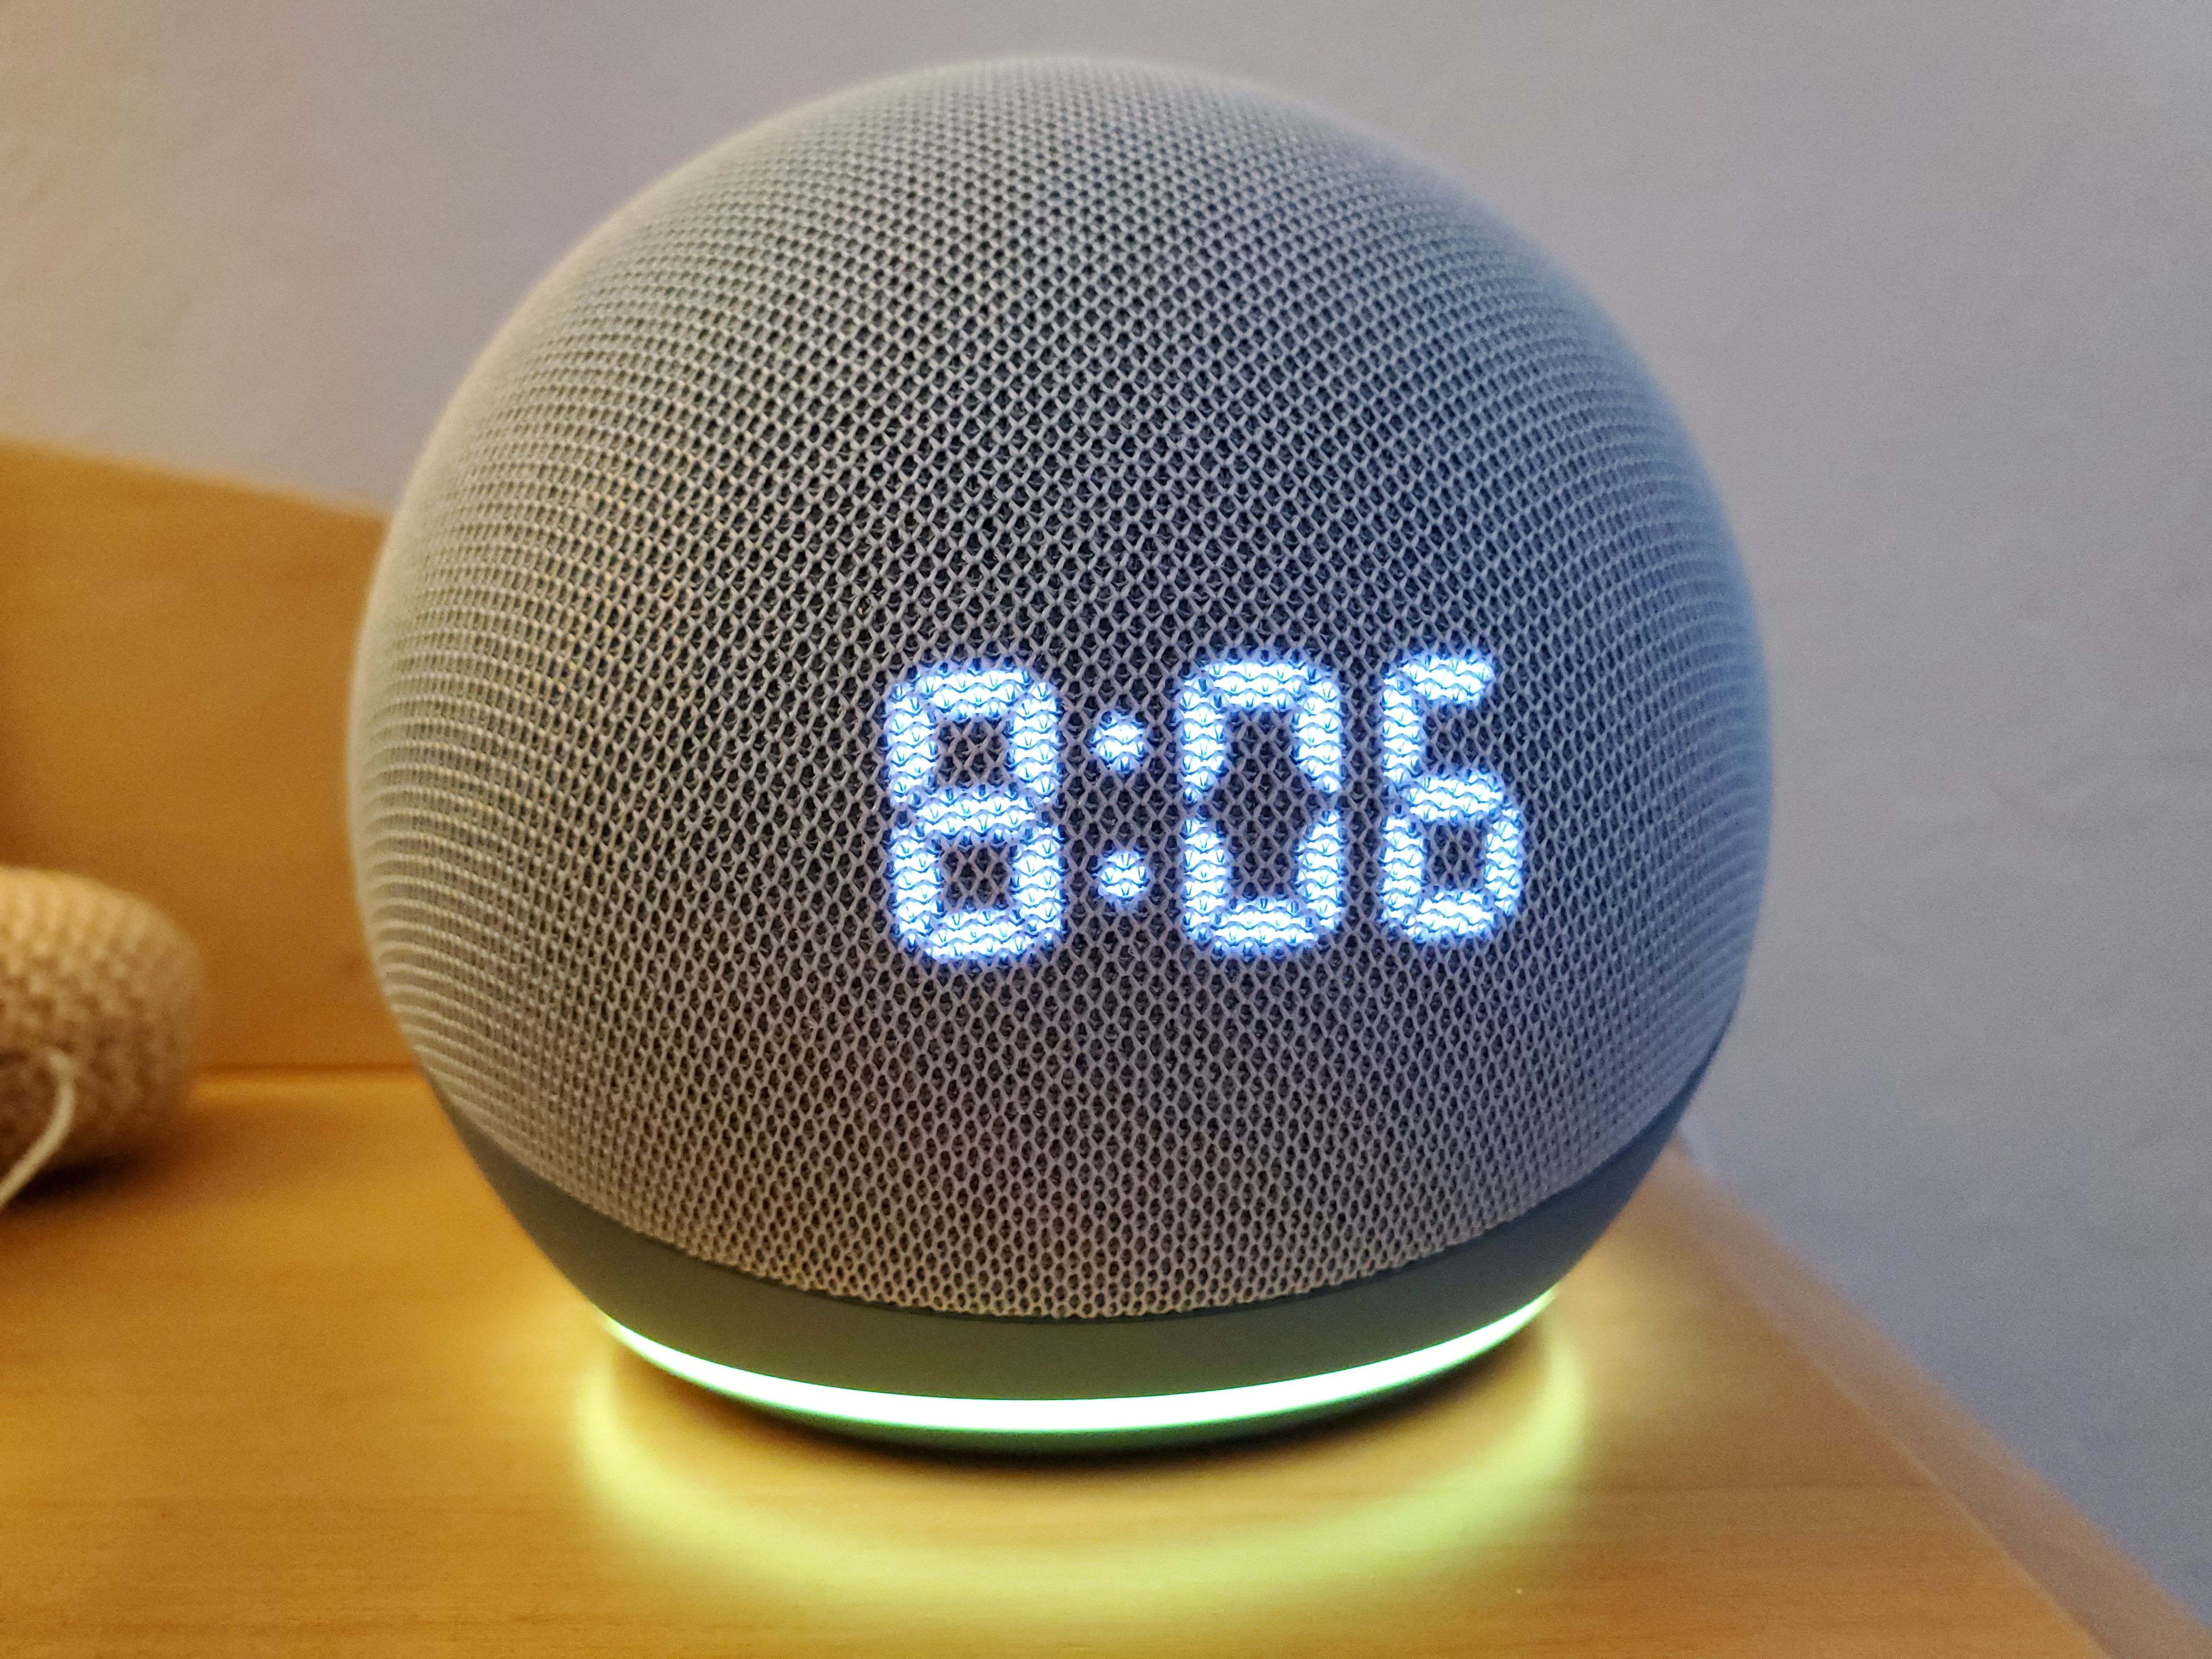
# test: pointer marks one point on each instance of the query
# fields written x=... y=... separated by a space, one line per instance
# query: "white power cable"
x=56 y=1131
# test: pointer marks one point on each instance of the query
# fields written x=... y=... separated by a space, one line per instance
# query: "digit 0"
x=1205 y=713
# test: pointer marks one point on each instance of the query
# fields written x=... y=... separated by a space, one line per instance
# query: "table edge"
x=2121 y=1606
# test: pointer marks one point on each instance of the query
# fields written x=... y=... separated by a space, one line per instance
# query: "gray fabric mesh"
x=1106 y=371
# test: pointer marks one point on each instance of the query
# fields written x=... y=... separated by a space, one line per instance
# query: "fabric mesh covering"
x=1107 y=372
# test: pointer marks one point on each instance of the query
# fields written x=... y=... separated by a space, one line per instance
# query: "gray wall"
x=1930 y=284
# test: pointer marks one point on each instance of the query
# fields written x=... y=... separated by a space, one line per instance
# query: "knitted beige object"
x=112 y=985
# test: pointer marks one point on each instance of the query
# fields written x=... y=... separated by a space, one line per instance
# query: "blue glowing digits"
x=932 y=817
x=1209 y=700
x=1421 y=800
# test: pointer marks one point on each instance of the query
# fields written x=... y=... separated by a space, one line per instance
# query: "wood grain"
x=174 y=655
x=2114 y=1599
x=297 y=1385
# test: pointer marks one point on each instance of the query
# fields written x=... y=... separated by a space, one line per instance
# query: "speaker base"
x=1125 y=1421
x=1047 y=1384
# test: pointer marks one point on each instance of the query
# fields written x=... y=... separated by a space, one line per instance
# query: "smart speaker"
x=1055 y=753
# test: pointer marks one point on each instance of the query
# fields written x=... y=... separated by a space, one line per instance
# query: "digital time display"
x=932 y=818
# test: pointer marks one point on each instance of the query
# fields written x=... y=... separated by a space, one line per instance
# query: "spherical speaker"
x=1054 y=751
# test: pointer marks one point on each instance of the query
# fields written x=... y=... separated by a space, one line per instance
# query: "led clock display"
x=1042 y=747
x=932 y=817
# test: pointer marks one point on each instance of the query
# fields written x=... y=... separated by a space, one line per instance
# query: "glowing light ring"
x=1423 y=800
x=1117 y=1415
x=932 y=817
x=1209 y=700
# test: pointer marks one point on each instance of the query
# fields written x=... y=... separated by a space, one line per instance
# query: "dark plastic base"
x=720 y=1316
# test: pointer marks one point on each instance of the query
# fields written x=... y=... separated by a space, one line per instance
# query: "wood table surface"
x=295 y=1383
